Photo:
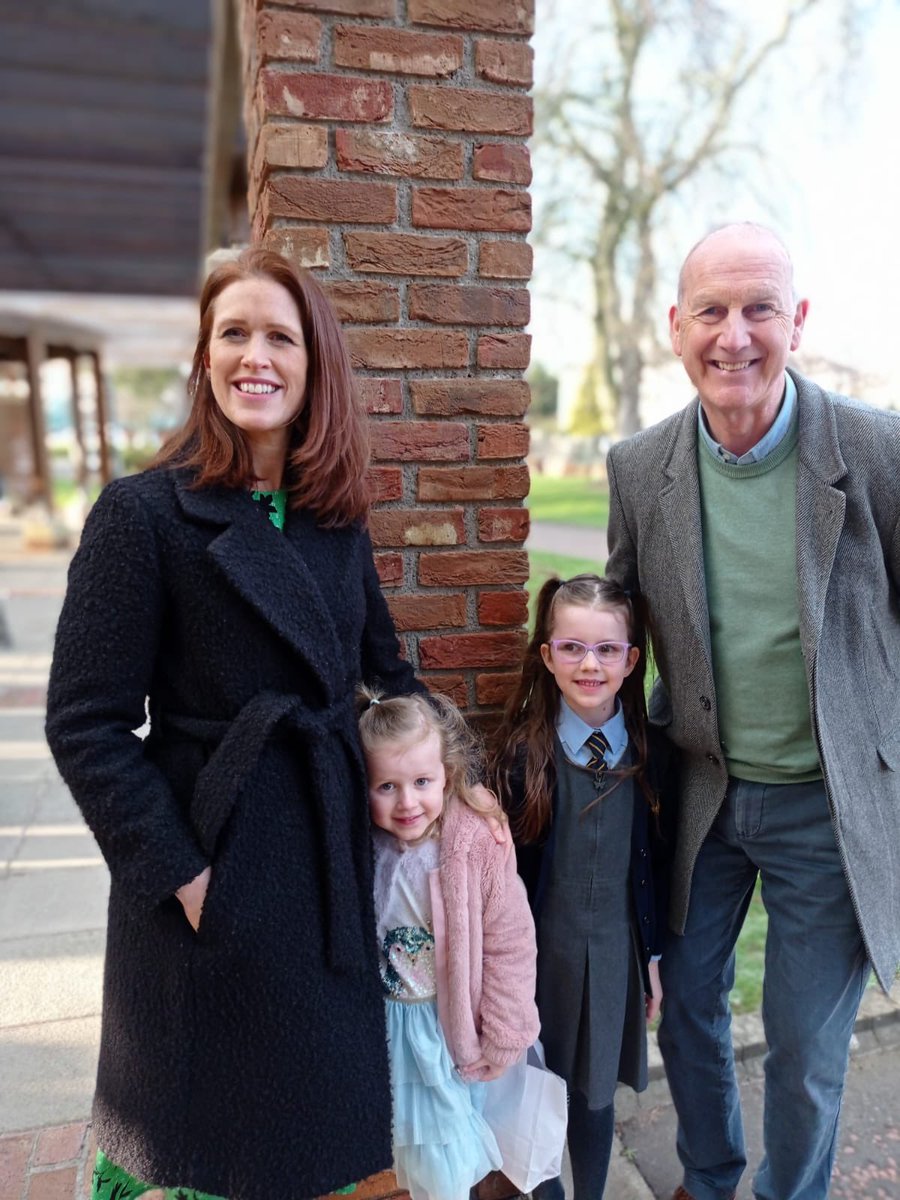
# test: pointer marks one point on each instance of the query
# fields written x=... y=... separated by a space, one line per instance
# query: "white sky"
x=834 y=194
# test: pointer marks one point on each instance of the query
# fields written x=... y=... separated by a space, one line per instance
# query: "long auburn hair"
x=404 y=720
x=529 y=718
x=328 y=449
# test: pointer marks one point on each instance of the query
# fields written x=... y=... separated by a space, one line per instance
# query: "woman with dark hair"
x=228 y=593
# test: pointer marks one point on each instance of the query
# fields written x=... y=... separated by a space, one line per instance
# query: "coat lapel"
x=679 y=502
x=269 y=570
x=820 y=507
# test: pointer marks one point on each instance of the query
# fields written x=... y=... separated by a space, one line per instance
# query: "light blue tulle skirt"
x=442 y=1144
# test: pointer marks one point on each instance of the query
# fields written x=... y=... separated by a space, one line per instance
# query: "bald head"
x=735 y=324
x=743 y=234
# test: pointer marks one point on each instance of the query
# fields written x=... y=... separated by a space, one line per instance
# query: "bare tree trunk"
x=631 y=373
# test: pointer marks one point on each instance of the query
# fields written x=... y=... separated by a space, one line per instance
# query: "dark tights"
x=589 y=1137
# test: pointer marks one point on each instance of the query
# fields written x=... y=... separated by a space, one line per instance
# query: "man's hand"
x=654 y=1000
x=193 y=894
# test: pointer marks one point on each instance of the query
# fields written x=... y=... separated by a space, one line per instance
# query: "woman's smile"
x=257 y=359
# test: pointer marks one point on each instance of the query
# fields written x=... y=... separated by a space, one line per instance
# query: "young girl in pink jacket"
x=456 y=940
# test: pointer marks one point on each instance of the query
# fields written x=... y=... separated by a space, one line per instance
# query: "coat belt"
x=239 y=744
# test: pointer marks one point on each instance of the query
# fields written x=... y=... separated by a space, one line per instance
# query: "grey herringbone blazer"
x=848 y=582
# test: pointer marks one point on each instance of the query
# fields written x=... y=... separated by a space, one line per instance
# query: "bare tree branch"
x=618 y=151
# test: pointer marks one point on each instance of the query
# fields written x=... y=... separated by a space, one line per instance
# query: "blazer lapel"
x=820 y=507
x=679 y=502
x=269 y=571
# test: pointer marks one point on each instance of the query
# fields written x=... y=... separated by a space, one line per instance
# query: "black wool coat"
x=248 y=1059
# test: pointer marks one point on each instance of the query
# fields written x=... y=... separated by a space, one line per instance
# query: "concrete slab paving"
x=54 y=802
x=48 y=1070
x=51 y=977
x=36 y=903
x=24 y=750
x=49 y=847
x=15 y=810
x=867 y=1166
x=21 y=770
x=21 y=725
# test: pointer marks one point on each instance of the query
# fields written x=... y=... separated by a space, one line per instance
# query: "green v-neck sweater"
x=750 y=560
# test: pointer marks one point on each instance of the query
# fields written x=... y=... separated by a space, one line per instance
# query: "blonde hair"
x=391 y=720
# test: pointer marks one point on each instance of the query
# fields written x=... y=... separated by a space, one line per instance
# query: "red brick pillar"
x=387 y=151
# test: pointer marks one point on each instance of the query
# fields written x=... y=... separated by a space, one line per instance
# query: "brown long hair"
x=328 y=451
x=529 y=719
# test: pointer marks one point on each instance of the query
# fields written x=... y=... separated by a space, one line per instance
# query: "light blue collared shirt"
x=573 y=732
x=767 y=442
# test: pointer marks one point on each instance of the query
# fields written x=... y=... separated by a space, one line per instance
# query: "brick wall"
x=387 y=152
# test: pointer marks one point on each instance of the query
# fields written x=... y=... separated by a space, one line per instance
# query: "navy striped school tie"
x=598 y=745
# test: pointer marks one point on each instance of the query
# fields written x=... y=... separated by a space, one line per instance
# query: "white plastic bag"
x=526 y=1109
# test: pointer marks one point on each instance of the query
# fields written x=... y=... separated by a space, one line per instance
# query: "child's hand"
x=481 y=1071
x=654 y=1000
x=497 y=820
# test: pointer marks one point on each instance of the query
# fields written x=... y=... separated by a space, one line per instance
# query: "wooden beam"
x=77 y=425
x=224 y=116
x=36 y=352
x=105 y=471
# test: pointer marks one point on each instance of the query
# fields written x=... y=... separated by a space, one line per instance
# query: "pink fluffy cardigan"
x=485 y=950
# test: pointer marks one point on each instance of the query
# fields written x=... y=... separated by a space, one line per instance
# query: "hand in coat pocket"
x=193 y=895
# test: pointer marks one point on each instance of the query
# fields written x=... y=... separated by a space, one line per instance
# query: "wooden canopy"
x=103 y=130
x=28 y=342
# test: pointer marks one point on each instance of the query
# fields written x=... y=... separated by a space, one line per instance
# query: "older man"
x=763 y=525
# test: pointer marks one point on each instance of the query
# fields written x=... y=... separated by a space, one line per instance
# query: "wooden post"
x=100 y=400
x=82 y=471
x=35 y=353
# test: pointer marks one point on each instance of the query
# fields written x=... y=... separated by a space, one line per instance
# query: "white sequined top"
x=403 y=916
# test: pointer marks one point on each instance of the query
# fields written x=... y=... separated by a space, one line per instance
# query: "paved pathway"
x=53 y=889
x=867 y=1165
x=574 y=541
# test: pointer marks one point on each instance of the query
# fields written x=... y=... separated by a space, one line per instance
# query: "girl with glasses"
x=589 y=789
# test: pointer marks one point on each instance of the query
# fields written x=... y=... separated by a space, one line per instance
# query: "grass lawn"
x=747 y=992
x=66 y=490
x=568 y=501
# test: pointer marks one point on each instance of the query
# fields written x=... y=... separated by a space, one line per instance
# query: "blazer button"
x=712 y=758
x=646 y=920
x=704 y=703
x=643 y=854
x=643 y=883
